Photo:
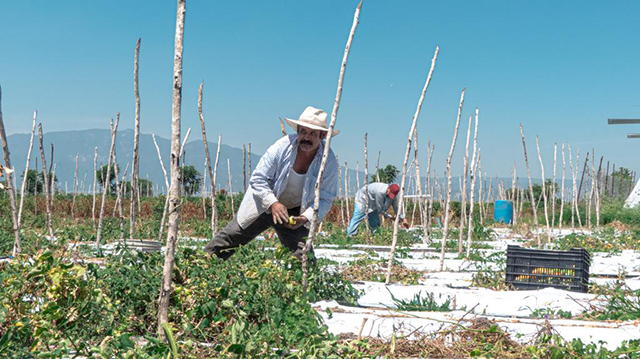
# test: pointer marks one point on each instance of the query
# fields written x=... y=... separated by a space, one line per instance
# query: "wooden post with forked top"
x=325 y=155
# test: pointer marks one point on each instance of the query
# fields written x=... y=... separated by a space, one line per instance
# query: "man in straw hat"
x=281 y=190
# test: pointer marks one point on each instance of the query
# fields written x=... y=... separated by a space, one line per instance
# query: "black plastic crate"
x=539 y=268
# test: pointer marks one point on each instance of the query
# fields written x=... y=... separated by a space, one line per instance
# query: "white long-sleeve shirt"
x=378 y=200
x=269 y=180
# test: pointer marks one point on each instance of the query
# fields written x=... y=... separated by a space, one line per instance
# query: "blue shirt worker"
x=381 y=197
x=281 y=190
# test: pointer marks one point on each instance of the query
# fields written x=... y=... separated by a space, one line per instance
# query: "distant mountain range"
x=82 y=142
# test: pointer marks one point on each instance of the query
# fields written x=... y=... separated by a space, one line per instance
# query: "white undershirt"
x=291 y=197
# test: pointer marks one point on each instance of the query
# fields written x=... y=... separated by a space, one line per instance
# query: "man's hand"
x=279 y=213
x=299 y=221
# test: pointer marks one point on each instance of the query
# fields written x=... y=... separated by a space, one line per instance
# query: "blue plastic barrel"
x=503 y=211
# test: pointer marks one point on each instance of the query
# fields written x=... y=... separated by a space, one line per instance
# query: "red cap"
x=394 y=189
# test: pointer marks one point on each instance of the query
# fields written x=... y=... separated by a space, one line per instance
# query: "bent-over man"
x=381 y=197
x=283 y=186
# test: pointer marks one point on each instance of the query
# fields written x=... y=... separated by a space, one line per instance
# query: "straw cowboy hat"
x=312 y=118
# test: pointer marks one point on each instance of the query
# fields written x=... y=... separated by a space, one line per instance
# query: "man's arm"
x=264 y=176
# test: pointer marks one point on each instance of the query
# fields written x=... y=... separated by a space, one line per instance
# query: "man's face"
x=309 y=139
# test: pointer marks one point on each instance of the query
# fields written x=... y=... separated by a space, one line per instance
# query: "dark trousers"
x=233 y=236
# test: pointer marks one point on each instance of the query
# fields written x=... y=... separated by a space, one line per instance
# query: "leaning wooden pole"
x=584 y=169
x=447 y=206
x=561 y=214
x=26 y=169
x=544 y=192
x=206 y=150
x=533 y=200
x=135 y=164
x=166 y=183
x=17 y=245
x=45 y=174
x=174 y=190
x=334 y=115
x=465 y=170
x=400 y=196
x=422 y=204
x=105 y=183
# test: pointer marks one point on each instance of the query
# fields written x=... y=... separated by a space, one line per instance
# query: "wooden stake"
x=553 y=189
x=366 y=186
x=445 y=232
x=429 y=192
x=533 y=200
x=560 y=219
x=465 y=170
x=26 y=171
x=244 y=168
x=346 y=188
x=166 y=182
x=214 y=211
x=584 y=169
x=230 y=187
x=45 y=174
x=135 y=163
x=174 y=190
x=421 y=202
x=75 y=189
x=414 y=122
x=114 y=129
x=544 y=192
x=378 y=167
x=334 y=115
x=207 y=156
x=17 y=244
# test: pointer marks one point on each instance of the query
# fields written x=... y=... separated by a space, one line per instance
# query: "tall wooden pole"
x=544 y=192
x=400 y=196
x=561 y=215
x=378 y=167
x=105 y=183
x=445 y=231
x=17 y=245
x=206 y=152
x=465 y=170
x=174 y=190
x=553 y=189
x=214 y=212
x=325 y=155
x=533 y=200
x=95 y=179
x=75 y=189
x=366 y=185
x=166 y=183
x=45 y=174
x=472 y=177
x=135 y=164
x=244 y=168
x=421 y=202
x=26 y=168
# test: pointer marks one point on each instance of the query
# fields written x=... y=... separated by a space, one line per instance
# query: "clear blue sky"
x=560 y=68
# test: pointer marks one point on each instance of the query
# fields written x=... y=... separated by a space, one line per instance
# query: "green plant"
x=420 y=303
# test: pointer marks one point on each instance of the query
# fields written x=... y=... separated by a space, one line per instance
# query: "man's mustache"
x=306 y=142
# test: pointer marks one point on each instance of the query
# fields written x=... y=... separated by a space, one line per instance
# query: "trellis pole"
x=135 y=164
x=17 y=244
x=26 y=171
x=334 y=115
x=400 y=196
x=45 y=174
x=465 y=170
x=533 y=200
x=544 y=192
x=114 y=129
x=174 y=190
x=561 y=215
